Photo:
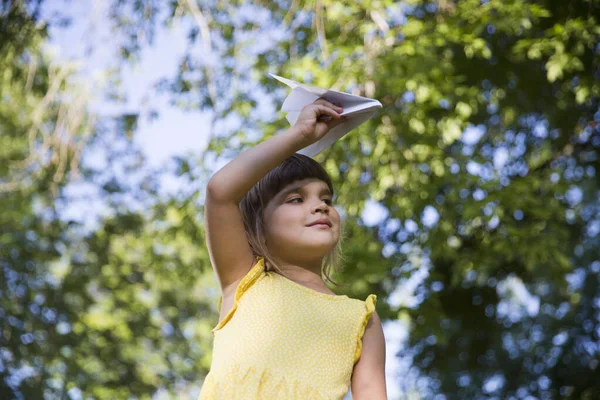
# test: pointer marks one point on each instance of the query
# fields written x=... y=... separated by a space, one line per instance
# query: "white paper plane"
x=358 y=109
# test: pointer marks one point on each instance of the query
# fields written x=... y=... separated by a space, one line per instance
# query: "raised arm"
x=235 y=179
x=228 y=248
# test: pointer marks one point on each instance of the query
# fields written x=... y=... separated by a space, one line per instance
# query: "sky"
x=178 y=132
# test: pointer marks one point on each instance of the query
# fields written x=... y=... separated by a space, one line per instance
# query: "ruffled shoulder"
x=370 y=303
x=242 y=287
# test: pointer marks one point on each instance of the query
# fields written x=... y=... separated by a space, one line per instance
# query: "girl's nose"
x=322 y=206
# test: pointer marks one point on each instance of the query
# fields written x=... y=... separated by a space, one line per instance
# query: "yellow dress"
x=283 y=340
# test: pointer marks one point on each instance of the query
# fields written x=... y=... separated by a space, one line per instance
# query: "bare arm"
x=368 y=376
x=234 y=180
x=229 y=251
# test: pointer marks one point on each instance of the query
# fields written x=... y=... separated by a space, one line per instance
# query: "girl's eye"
x=327 y=201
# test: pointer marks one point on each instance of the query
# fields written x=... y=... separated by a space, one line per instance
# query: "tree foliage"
x=489 y=124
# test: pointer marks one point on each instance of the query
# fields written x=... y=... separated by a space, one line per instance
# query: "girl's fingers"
x=327 y=110
x=329 y=104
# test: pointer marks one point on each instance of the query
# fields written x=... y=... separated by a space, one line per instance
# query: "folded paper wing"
x=358 y=110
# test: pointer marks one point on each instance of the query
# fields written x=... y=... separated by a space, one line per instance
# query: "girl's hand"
x=318 y=118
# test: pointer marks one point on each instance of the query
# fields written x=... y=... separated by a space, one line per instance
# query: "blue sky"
x=176 y=131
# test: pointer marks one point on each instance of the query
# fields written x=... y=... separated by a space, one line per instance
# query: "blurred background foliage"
x=124 y=309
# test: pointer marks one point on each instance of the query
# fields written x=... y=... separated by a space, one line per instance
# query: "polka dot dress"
x=283 y=340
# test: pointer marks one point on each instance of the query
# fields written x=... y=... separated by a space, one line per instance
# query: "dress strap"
x=242 y=287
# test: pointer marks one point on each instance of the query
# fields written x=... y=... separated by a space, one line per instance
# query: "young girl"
x=271 y=232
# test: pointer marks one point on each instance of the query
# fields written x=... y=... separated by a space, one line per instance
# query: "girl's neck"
x=298 y=273
x=303 y=277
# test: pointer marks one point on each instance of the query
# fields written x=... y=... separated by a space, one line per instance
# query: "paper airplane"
x=358 y=110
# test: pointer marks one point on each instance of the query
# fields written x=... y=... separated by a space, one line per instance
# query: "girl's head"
x=276 y=217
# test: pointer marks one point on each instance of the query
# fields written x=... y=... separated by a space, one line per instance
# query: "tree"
x=521 y=73
x=489 y=124
x=78 y=315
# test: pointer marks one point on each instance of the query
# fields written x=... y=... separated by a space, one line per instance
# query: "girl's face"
x=288 y=215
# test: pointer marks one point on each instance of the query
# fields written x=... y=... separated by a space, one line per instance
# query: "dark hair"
x=252 y=206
